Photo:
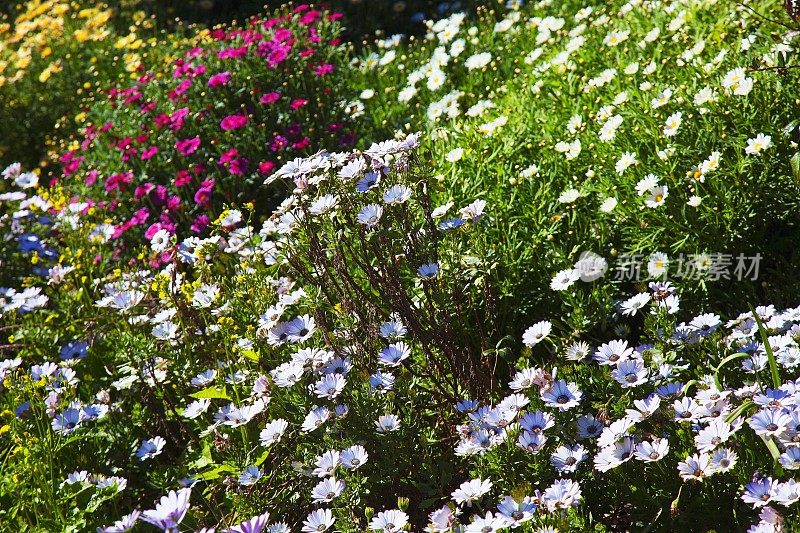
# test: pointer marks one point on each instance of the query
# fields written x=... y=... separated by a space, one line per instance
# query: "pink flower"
x=237 y=167
x=140 y=216
x=270 y=98
x=158 y=195
x=298 y=103
x=149 y=152
x=194 y=52
x=203 y=195
x=233 y=122
x=323 y=70
x=220 y=79
x=265 y=167
x=228 y=156
x=142 y=190
x=278 y=143
x=302 y=144
x=118 y=181
x=152 y=230
x=91 y=177
x=200 y=224
x=310 y=17
x=173 y=203
x=177 y=118
x=187 y=146
x=183 y=87
x=282 y=35
x=278 y=55
x=232 y=53
x=182 y=178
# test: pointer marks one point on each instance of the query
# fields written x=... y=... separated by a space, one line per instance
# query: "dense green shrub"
x=541 y=110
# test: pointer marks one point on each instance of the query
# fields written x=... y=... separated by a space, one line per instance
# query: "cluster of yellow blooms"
x=45 y=26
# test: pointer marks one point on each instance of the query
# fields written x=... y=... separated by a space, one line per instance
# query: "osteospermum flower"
x=370 y=215
x=196 y=408
x=517 y=512
x=537 y=333
x=326 y=464
x=531 y=442
x=471 y=491
x=315 y=418
x=562 y=494
x=723 y=460
x=537 y=421
x=632 y=305
x=562 y=395
x=613 y=352
x=301 y=328
x=317 y=521
x=651 y=451
x=387 y=423
x=353 y=457
x=389 y=521
x=630 y=373
x=397 y=194
x=525 y=379
x=708 y=438
x=394 y=354
x=760 y=492
x=122 y=525
x=250 y=476
x=327 y=489
x=568 y=458
x=696 y=467
x=323 y=204
x=758 y=144
x=150 y=448
x=170 y=510
x=254 y=525
x=487 y=524
x=67 y=422
x=589 y=427
x=770 y=422
x=273 y=432
x=330 y=386
x=564 y=279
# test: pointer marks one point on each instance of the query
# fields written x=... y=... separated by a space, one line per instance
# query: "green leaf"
x=214 y=473
x=773 y=364
x=795 y=162
x=262 y=458
x=772 y=447
x=250 y=354
x=687 y=386
x=739 y=411
x=723 y=363
x=211 y=392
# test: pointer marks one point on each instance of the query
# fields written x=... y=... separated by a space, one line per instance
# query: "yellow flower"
x=81 y=35
x=51 y=69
